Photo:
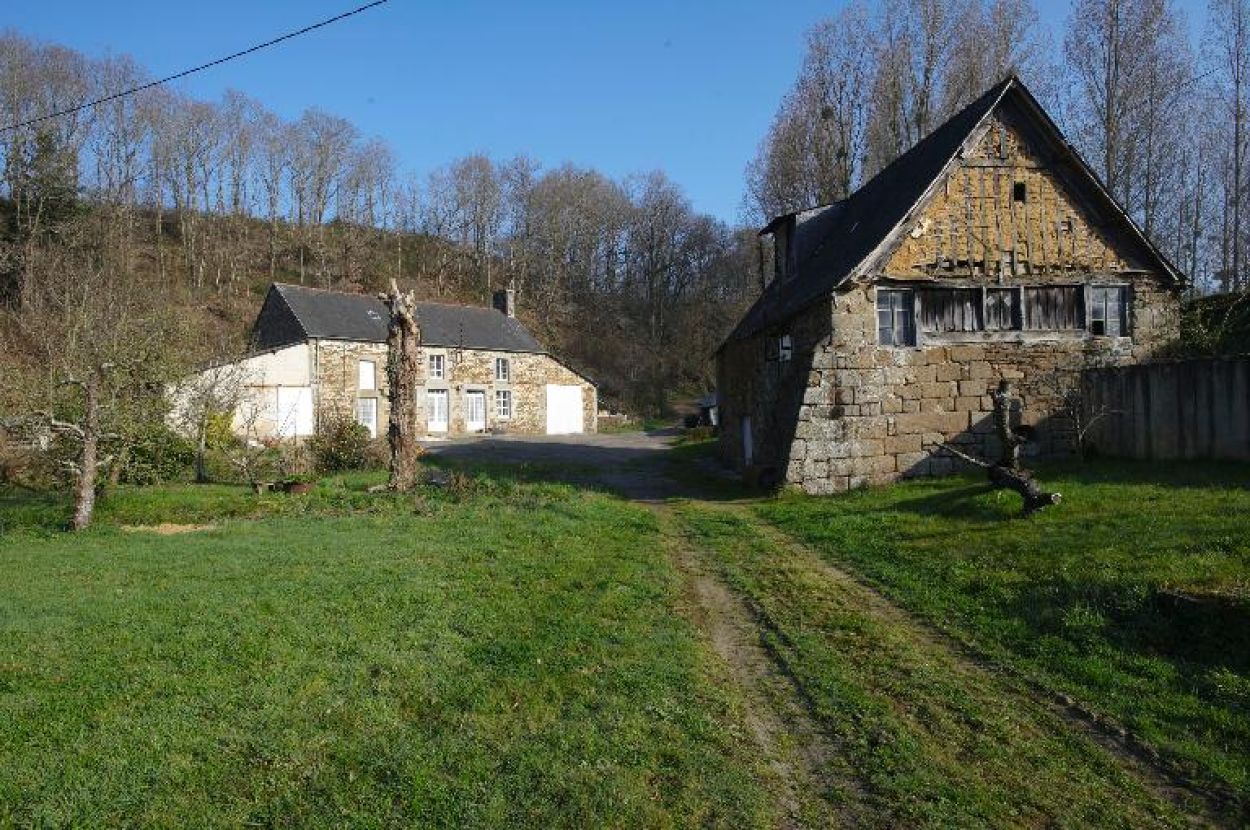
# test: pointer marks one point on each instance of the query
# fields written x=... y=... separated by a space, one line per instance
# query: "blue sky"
x=687 y=87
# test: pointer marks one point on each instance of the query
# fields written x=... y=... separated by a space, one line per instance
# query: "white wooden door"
x=295 y=411
x=564 y=410
x=475 y=411
x=436 y=410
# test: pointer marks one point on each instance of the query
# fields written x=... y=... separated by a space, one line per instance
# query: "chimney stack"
x=505 y=301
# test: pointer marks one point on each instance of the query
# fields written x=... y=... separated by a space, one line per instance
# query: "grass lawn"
x=1132 y=596
x=509 y=652
x=508 y=656
x=923 y=736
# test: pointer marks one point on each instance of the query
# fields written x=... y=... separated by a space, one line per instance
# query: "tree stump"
x=403 y=341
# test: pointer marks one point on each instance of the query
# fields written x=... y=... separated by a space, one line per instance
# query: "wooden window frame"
x=441 y=374
x=373 y=425
x=360 y=376
x=1125 y=301
x=506 y=375
x=503 y=404
x=1081 y=291
x=911 y=338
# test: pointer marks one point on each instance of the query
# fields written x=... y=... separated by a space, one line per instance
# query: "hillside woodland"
x=137 y=235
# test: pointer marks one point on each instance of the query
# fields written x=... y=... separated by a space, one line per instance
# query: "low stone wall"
x=1184 y=409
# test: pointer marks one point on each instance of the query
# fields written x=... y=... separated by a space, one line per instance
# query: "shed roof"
x=335 y=315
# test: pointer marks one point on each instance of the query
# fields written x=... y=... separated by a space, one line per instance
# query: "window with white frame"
x=438 y=367
x=503 y=403
x=367 y=415
x=896 y=321
x=1108 y=310
x=368 y=375
x=503 y=370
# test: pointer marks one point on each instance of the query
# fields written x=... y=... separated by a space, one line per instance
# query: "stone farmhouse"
x=988 y=251
x=322 y=354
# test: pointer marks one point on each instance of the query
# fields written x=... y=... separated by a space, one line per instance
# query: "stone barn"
x=322 y=354
x=989 y=250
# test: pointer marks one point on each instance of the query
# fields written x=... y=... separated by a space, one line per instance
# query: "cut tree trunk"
x=1007 y=473
x=403 y=342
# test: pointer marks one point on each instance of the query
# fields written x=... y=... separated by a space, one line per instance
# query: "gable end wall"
x=852 y=413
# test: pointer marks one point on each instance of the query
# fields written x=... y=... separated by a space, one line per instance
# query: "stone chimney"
x=505 y=301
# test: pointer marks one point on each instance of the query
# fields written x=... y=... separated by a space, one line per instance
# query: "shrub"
x=339 y=445
x=158 y=455
x=23 y=465
x=219 y=431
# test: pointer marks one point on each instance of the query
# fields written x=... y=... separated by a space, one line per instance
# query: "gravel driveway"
x=630 y=463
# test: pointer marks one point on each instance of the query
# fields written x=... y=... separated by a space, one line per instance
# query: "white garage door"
x=564 y=409
x=295 y=411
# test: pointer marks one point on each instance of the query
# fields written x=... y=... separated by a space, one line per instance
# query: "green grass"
x=1132 y=596
x=509 y=651
x=503 y=655
x=923 y=737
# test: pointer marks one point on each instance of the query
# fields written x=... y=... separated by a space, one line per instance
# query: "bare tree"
x=814 y=152
x=321 y=146
x=1228 y=43
x=1118 y=51
x=100 y=353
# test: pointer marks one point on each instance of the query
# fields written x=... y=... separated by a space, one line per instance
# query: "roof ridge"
x=281 y=285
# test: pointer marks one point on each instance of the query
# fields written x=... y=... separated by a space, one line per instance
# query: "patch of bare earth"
x=799 y=755
x=167 y=528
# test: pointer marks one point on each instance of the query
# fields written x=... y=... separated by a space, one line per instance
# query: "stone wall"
x=336 y=379
x=769 y=392
x=336 y=385
x=872 y=414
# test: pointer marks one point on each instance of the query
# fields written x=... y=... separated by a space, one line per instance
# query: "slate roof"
x=334 y=315
x=833 y=241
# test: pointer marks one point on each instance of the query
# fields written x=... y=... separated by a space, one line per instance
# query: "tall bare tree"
x=1228 y=42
